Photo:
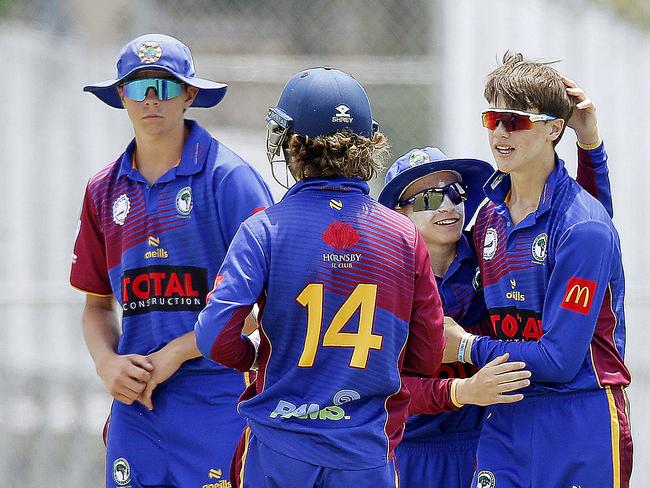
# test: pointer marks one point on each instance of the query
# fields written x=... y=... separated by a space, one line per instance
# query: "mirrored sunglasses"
x=165 y=88
x=432 y=198
x=512 y=120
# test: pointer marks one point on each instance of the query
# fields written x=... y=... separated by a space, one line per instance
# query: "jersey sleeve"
x=429 y=395
x=239 y=283
x=426 y=341
x=241 y=193
x=89 y=272
x=593 y=175
x=576 y=289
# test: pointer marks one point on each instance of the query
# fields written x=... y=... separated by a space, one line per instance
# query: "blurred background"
x=423 y=63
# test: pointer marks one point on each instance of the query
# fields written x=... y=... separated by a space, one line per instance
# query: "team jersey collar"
x=330 y=184
x=497 y=188
x=193 y=157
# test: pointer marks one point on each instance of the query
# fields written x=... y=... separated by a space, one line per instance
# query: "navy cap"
x=420 y=162
x=322 y=101
x=158 y=52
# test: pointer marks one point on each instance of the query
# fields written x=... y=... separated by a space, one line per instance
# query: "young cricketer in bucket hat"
x=154 y=229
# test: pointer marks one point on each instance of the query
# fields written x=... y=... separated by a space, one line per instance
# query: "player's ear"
x=190 y=95
x=555 y=128
x=120 y=93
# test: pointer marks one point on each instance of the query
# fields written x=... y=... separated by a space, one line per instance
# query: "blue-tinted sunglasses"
x=165 y=88
x=431 y=198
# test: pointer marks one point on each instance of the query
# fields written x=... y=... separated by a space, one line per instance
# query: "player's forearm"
x=184 y=348
x=220 y=339
x=429 y=395
x=546 y=363
x=101 y=332
x=593 y=175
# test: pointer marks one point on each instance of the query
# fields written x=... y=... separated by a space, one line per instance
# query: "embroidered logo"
x=121 y=208
x=485 y=479
x=579 y=295
x=340 y=235
x=184 y=202
x=336 y=204
x=540 y=248
x=121 y=471
x=150 y=52
x=490 y=244
x=418 y=157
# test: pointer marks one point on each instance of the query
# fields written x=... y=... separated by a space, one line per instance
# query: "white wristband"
x=463 y=346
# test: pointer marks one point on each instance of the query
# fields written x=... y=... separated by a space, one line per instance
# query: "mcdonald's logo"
x=579 y=295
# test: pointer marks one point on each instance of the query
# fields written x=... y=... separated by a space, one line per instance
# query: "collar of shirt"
x=497 y=188
x=195 y=153
x=352 y=185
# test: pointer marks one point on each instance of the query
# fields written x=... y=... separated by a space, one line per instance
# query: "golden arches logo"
x=580 y=290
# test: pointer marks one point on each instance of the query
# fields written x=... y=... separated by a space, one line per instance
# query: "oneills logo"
x=579 y=295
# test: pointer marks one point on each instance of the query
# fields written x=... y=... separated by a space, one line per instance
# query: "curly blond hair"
x=342 y=154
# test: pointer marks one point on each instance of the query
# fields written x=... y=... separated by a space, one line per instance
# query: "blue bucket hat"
x=420 y=162
x=158 y=52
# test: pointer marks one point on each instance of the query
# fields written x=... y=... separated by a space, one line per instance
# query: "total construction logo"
x=341 y=236
x=158 y=252
x=342 y=115
x=164 y=288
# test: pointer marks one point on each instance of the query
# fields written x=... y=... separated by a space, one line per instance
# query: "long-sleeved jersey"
x=462 y=300
x=157 y=247
x=347 y=300
x=554 y=287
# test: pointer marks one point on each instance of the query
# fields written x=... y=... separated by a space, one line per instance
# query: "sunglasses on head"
x=165 y=88
x=431 y=198
x=512 y=120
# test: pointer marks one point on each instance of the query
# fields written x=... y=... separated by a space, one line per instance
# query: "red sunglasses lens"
x=511 y=121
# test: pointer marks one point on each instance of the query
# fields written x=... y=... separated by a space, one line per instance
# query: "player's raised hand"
x=583 y=120
x=491 y=383
x=125 y=376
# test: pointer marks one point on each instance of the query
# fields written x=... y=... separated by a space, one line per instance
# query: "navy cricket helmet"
x=318 y=102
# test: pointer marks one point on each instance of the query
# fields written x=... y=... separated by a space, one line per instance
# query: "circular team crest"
x=184 y=202
x=477 y=282
x=540 y=247
x=418 y=157
x=150 y=52
x=490 y=244
x=121 y=471
x=486 y=479
x=121 y=208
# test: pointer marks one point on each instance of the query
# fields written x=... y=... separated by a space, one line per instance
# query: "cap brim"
x=210 y=92
x=474 y=173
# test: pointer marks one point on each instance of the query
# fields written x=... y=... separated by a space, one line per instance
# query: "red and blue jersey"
x=554 y=287
x=347 y=301
x=157 y=247
x=462 y=300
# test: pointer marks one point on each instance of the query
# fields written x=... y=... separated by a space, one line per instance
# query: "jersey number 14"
x=363 y=299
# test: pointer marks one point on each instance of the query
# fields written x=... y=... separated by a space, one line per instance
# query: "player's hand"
x=125 y=376
x=583 y=120
x=489 y=385
x=165 y=363
x=453 y=335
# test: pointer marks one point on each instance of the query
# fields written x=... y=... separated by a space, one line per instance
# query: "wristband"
x=462 y=346
x=589 y=147
x=454 y=393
